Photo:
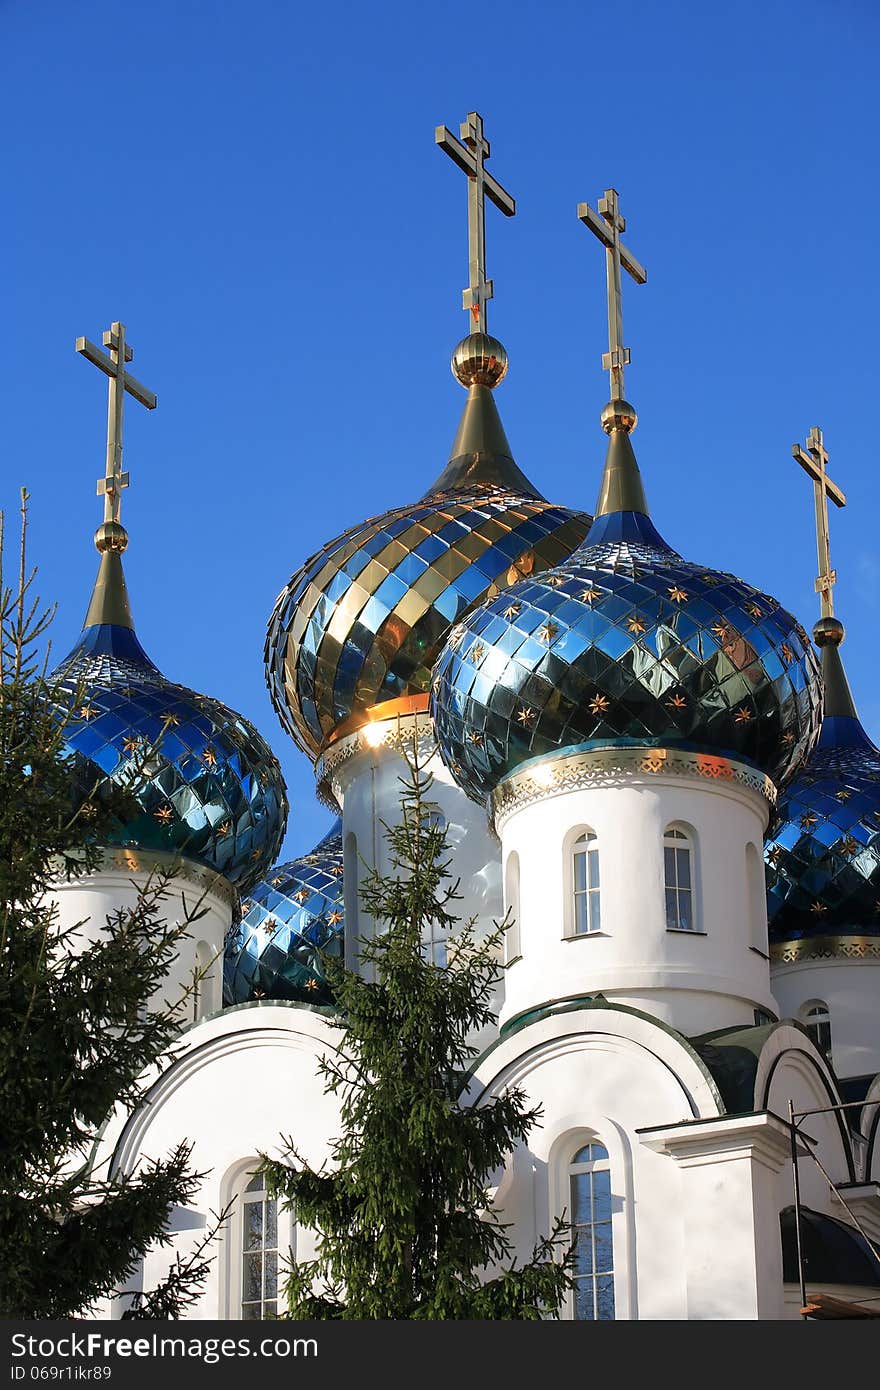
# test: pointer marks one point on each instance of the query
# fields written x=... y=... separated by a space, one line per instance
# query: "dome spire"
x=621 y=491
x=480 y=455
x=829 y=632
x=109 y=601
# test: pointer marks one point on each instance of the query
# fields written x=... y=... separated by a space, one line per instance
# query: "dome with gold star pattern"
x=823 y=854
x=290 y=921
x=625 y=643
x=362 y=622
x=203 y=781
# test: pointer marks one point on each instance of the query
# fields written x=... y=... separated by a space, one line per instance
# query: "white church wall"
x=117 y=884
x=242 y=1079
x=608 y=1074
x=851 y=990
x=696 y=980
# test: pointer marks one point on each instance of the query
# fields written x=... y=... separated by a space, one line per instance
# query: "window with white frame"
x=816 y=1017
x=589 y=1177
x=585 y=890
x=259 y=1251
x=678 y=866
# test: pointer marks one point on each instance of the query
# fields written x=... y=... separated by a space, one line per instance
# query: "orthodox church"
x=639 y=758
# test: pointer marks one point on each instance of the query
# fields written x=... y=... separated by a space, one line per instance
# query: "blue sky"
x=254 y=190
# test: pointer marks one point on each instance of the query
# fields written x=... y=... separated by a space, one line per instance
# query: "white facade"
x=603 y=1029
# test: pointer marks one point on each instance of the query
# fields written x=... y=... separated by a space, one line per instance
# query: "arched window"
x=678 y=865
x=816 y=1017
x=259 y=1251
x=202 y=981
x=512 y=940
x=590 y=1207
x=757 y=890
x=585 y=892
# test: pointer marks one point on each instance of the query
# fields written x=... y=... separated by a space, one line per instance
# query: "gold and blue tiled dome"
x=625 y=643
x=823 y=855
x=362 y=622
x=204 y=783
x=290 y=921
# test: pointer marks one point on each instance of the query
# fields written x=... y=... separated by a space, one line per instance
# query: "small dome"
x=290 y=917
x=213 y=789
x=823 y=855
x=625 y=643
x=362 y=622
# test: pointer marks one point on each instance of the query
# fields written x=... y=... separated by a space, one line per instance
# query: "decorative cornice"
x=762 y=1136
x=376 y=714
x=395 y=731
x=130 y=860
x=825 y=948
x=597 y=767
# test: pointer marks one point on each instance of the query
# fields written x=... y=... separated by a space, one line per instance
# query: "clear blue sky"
x=254 y=190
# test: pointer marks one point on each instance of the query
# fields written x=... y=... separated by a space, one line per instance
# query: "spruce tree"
x=76 y=1033
x=404 y=1216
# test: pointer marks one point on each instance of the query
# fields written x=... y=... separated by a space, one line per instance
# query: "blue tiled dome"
x=823 y=855
x=212 y=790
x=363 y=621
x=289 y=918
x=625 y=643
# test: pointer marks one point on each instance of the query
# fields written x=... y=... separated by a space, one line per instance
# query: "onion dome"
x=823 y=857
x=362 y=622
x=625 y=643
x=205 y=783
x=289 y=919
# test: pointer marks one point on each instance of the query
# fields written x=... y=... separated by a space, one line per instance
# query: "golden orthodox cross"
x=471 y=157
x=607 y=225
x=114 y=480
x=813 y=460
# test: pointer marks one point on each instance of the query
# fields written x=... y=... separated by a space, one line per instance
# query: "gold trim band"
x=596 y=767
x=825 y=948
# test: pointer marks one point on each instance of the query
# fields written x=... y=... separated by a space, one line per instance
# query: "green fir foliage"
x=405 y=1221
x=75 y=1032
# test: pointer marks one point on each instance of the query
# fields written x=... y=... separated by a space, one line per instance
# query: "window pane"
x=604 y=1251
x=271 y=1275
x=583 y=1155
x=270 y=1309
x=272 y=1225
x=598 y=1151
x=671 y=908
x=580 y=1198
x=253 y=1225
x=255 y=1184
x=583 y=1253
x=250 y=1312
x=669 y=865
x=580 y=914
x=250 y=1277
x=685 y=916
x=580 y=872
x=605 y=1298
x=593 y=860
x=683 y=857
x=595 y=913
x=583 y=1300
x=602 y=1194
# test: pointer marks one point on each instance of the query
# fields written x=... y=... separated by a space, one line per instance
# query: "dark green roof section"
x=731 y=1054
x=573 y=1003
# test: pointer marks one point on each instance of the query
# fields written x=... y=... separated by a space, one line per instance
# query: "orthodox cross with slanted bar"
x=471 y=157
x=607 y=225
x=114 y=480
x=813 y=460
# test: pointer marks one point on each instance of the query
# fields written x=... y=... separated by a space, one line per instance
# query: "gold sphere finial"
x=480 y=360
x=619 y=415
x=829 y=632
x=111 y=535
